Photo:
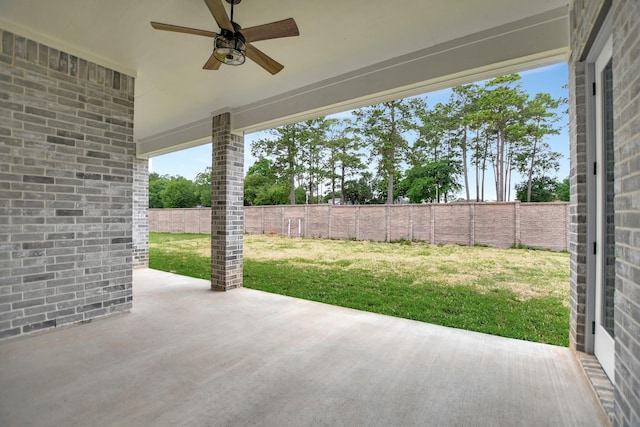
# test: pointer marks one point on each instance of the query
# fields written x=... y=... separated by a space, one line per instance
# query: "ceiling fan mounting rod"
x=232 y=4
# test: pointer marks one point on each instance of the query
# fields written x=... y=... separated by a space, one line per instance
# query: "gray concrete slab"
x=188 y=356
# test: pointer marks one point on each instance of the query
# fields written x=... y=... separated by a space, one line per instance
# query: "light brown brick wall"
x=541 y=225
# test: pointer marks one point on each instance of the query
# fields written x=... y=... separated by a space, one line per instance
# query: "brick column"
x=140 y=212
x=227 y=211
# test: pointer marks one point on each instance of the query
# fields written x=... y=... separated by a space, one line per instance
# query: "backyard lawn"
x=516 y=293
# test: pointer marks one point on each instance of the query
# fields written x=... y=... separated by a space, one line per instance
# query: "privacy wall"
x=541 y=225
x=66 y=188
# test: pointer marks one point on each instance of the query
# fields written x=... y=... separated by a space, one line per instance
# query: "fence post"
x=517 y=225
x=472 y=225
x=411 y=223
x=433 y=224
x=357 y=222
x=330 y=220
x=387 y=234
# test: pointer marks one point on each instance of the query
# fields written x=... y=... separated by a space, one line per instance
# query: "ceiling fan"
x=233 y=43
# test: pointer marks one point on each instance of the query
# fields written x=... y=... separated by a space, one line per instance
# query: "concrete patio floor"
x=188 y=356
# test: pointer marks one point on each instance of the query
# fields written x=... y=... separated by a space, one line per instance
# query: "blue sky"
x=551 y=79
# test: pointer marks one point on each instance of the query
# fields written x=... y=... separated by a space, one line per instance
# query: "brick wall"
x=626 y=77
x=542 y=225
x=66 y=173
x=586 y=17
x=583 y=19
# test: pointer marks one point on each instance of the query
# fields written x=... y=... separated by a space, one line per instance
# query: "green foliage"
x=203 y=187
x=157 y=184
x=543 y=189
x=262 y=187
x=173 y=192
x=493 y=126
x=430 y=182
x=284 y=149
x=383 y=127
x=563 y=190
x=179 y=193
x=344 y=159
x=359 y=191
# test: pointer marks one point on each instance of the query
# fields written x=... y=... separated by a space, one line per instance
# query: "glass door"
x=604 y=246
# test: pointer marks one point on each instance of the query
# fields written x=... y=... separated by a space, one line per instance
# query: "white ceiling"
x=340 y=41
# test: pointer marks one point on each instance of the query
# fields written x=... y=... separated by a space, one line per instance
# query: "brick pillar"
x=227 y=211
x=140 y=212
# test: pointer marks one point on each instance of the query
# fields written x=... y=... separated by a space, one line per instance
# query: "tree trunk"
x=507 y=184
x=390 y=190
x=465 y=170
x=292 y=192
x=484 y=165
x=500 y=162
x=392 y=156
x=342 y=185
x=477 y=165
x=530 y=177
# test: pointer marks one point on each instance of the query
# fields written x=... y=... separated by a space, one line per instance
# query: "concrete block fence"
x=540 y=225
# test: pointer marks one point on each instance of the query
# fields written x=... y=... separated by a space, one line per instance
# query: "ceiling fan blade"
x=263 y=60
x=273 y=30
x=220 y=14
x=179 y=29
x=212 y=63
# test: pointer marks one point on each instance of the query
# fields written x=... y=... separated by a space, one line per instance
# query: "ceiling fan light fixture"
x=230 y=48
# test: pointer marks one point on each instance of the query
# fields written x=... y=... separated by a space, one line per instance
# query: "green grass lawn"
x=516 y=293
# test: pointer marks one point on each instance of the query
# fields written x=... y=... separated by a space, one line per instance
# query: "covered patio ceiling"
x=348 y=54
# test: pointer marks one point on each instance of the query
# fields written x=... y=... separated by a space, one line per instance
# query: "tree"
x=359 y=191
x=157 y=183
x=465 y=104
x=432 y=181
x=344 y=159
x=543 y=189
x=179 y=193
x=563 y=190
x=262 y=186
x=203 y=187
x=314 y=153
x=284 y=150
x=259 y=178
x=501 y=105
x=383 y=127
x=536 y=156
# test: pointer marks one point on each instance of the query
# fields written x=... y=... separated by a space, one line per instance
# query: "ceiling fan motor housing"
x=230 y=48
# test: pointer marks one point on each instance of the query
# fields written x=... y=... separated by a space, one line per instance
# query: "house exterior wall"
x=66 y=173
x=583 y=20
x=626 y=107
x=585 y=16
